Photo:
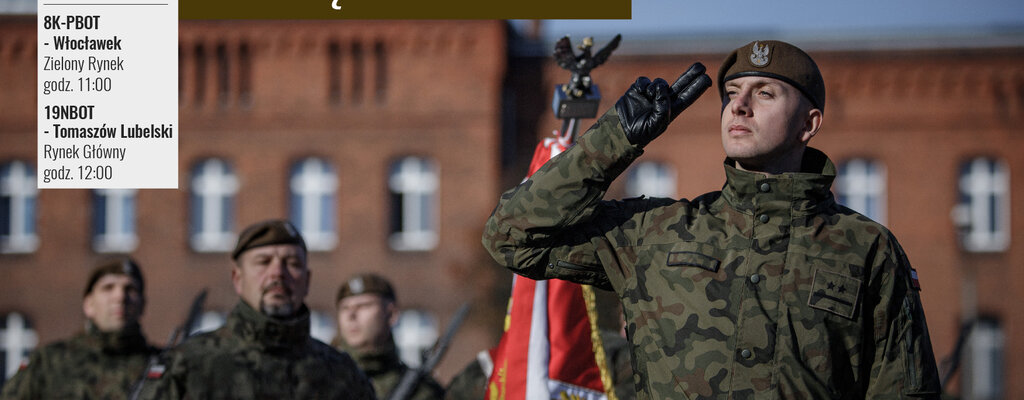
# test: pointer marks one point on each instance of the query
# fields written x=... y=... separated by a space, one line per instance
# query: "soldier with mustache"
x=264 y=350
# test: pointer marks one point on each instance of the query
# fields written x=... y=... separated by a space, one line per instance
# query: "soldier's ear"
x=812 y=123
x=88 y=306
x=392 y=312
x=236 y=279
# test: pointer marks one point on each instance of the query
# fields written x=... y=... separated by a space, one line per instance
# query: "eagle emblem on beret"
x=356 y=285
x=759 y=54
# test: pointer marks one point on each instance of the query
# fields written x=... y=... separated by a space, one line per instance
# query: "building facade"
x=388 y=143
x=384 y=163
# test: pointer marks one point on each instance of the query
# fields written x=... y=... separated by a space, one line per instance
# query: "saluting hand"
x=647 y=107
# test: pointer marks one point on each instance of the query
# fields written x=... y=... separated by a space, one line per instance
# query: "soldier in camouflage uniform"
x=264 y=350
x=366 y=312
x=106 y=360
x=765 y=289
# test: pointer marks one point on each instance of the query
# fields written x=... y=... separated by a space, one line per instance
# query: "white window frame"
x=115 y=239
x=415 y=331
x=984 y=210
x=313 y=192
x=416 y=181
x=322 y=325
x=651 y=179
x=19 y=336
x=209 y=321
x=18 y=184
x=987 y=363
x=213 y=183
x=860 y=185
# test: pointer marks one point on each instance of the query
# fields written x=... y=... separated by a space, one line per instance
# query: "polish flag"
x=550 y=348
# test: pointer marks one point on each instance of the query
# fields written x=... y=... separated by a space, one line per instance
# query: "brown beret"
x=122 y=265
x=775 y=59
x=366 y=283
x=266 y=233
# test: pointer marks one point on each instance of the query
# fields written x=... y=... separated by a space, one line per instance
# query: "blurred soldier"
x=264 y=350
x=767 y=288
x=104 y=361
x=366 y=312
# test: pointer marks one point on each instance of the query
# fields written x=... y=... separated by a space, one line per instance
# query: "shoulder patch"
x=156 y=371
x=914 y=283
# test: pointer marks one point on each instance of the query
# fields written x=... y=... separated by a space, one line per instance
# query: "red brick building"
x=258 y=103
x=381 y=114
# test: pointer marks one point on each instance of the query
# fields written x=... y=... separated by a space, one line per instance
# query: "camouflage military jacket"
x=91 y=365
x=385 y=370
x=765 y=289
x=256 y=357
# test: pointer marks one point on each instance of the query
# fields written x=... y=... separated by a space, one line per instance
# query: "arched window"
x=17 y=208
x=314 y=191
x=984 y=209
x=17 y=339
x=860 y=186
x=415 y=332
x=322 y=325
x=213 y=187
x=413 y=183
x=114 y=220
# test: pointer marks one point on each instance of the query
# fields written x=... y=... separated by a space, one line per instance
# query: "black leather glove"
x=646 y=109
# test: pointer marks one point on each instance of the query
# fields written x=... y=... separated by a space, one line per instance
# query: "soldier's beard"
x=279 y=310
x=283 y=310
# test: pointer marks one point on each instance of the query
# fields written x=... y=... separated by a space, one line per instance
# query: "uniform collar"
x=376 y=361
x=126 y=341
x=796 y=192
x=267 y=332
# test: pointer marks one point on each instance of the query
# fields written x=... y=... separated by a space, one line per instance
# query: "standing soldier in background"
x=104 y=361
x=767 y=288
x=264 y=350
x=366 y=312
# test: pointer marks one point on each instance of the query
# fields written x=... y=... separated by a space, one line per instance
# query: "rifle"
x=411 y=378
x=177 y=336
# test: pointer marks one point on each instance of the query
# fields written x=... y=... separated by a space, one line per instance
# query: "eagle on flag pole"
x=551 y=347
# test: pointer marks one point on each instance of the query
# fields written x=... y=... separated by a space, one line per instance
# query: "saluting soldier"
x=264 y=350
x=366 y=311
x=105 y=360
x=767 y=288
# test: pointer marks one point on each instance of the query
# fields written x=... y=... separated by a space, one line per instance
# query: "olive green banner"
x=404 y=9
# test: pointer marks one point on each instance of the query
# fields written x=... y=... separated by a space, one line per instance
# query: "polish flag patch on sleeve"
x=156 y=371
x=913 y=279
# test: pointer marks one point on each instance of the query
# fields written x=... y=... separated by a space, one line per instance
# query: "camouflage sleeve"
x=553 y=225
x=26 y=384
x=164 y=381
x=21 y=385
x=904 y=364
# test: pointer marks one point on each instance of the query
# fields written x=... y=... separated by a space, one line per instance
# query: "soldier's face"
x=365 y=319
x=113 y=303
x=273 y=279
x=766 y=122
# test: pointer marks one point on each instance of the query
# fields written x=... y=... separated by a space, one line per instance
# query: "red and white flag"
x=548 y=349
